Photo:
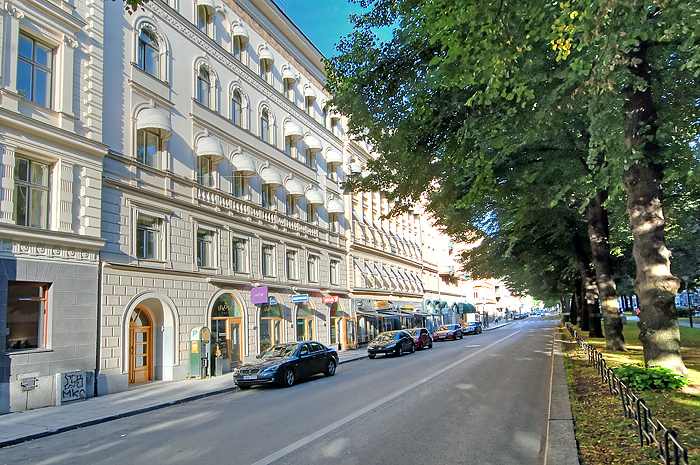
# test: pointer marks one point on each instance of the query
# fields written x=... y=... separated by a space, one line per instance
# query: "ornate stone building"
x=51 y=94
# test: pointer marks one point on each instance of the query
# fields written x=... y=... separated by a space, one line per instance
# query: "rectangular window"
x=204 y=171
x=203 y=19
x=148 y=145
x=238 y=185
x=289 y=89
x=31 y=193
x=266 y=70
x=334 y=272
x=205 y=248
x=291 y=205
x=265 y=127
x=310 y=159
x=267 y=194
x=291 y=264
x=310 y=213
x=148 y=242
x=27 y=315
x=309 y=106
x=268 y=262
x=289 y=145
x=34 y=71
x=311 y=269
x=240 y=262
x=237 y=48
x=333 y=222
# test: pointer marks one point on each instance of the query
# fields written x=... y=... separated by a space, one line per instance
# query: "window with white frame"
x=312 y=272
x=289 y=89
x=31 y=193
x=310 y=212
x=268 y=260
x=291 y=206
x=148 y=237
x=27 y=315
x=291 y=264
x=205 y=168
x=310 y=160
x=290 y=146
x=265 y=126
x=34 y=70
x=204 y=19
x=240 y=255
x=148 y=52
x=239 y=185
x=237 y=108
x=266 y=70
x=149 y=145
x=203 y=86
x=205 y=248
x=267 y=194
x=334 y=266
x=238 y=47
x=309 y=105
x=333 y=222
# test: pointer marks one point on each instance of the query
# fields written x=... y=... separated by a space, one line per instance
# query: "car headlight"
x=236 y=371
x=270 y=369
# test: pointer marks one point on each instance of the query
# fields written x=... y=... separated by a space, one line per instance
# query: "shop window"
x=203 y=86
x=27 y=315
x=268 y=260
x=291 y=264
x=334 y=265
x=31 y=193
x=240 y=255
x=227 y=328
x=305 y=323
x=265 y=126
x=237 y=108
x=148 y=237
x=34 y=71
x=270 y=326
x=148 y=52
x=267 y=194
x=205 y=170
x=239 y=184
x=148 y=147
x=312 y=271
x=205 y=248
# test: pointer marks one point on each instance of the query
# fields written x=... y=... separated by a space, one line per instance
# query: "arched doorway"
x=305 y=322
x=226 y=329
x=343 y=328
x=270 y=326
x=140 y=346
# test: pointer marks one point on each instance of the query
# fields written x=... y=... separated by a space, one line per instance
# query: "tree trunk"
x=599 y=235
x=585 y=313
x=574 y=303
x=655 y=286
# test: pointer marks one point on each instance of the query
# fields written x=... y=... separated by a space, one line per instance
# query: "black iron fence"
x=650 y=431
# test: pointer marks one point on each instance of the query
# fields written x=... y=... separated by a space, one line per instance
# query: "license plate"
x=248 y=377
x=441 y=336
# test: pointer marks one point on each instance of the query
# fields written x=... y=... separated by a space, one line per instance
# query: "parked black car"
x=285 y=363
x=472 y=327
x=391 y=342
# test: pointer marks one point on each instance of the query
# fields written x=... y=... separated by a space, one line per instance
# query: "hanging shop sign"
x=299 y=298
x=330 y=299
x=258 y=295
x=273 y=301
x=382 y=304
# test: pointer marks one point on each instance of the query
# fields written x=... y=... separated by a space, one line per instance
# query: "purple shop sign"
x=258 y=295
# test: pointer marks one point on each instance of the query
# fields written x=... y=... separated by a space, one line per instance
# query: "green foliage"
x=133 y=5
x=658 y=378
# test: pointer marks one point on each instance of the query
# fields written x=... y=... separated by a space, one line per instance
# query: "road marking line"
x=343 y=421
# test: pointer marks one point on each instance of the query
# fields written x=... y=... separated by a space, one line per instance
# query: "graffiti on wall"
x=73 y=386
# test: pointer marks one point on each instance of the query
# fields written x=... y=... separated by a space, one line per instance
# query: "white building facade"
x=223 y=177
x=51 y=97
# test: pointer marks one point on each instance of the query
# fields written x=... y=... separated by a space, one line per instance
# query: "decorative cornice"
x=12 y=11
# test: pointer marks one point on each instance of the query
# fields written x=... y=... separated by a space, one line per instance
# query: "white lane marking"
x=343 y=421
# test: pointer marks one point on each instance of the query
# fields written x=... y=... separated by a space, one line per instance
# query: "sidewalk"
x=33 y=424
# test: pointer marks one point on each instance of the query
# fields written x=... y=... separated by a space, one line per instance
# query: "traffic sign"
x=299 y=298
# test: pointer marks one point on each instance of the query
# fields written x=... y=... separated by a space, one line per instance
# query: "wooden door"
x=140 y=347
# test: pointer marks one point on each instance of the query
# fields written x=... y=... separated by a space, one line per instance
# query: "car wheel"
x=399 y=351
x=461 y=336
x=413 y=347
x=288 y=378
x=330 y=368
x=430 y=346
x=371 y=355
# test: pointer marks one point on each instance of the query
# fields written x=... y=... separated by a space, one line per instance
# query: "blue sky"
x=324 y=22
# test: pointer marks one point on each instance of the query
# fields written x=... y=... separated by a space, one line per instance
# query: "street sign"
x=299 y=298
x=330 y=299
x=273 y=301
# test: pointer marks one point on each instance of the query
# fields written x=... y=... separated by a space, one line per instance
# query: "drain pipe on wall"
x=99 y=323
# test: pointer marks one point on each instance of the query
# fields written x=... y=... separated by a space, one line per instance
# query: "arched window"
x=265 y=126
x=204 y=18
x=237 y=108
x=270 y=326
x=305 y=322
x=203 y=86
x=148 y=53
x=226 y=324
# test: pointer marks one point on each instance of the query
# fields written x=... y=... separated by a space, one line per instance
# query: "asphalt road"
x=480 y=400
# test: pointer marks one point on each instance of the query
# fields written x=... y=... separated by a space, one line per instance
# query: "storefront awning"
x=240 y=32
x=314 y=197
x=295 y=188
x=336 y=207
x=209 y=5
x=334 y=158
x=293 y=131
x=309 y=92
x=244 y=165
x=313 y=144
x=210 y=147
x=266 y=55
x=271 y=177
x=360 y=266
x=288 y=74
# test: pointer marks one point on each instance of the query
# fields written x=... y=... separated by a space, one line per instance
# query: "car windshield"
x=413 y=332
x=385 y=337
x=444 y=328
x=282 y=350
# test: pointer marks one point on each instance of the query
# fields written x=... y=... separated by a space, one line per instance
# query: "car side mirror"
x=257 y=355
